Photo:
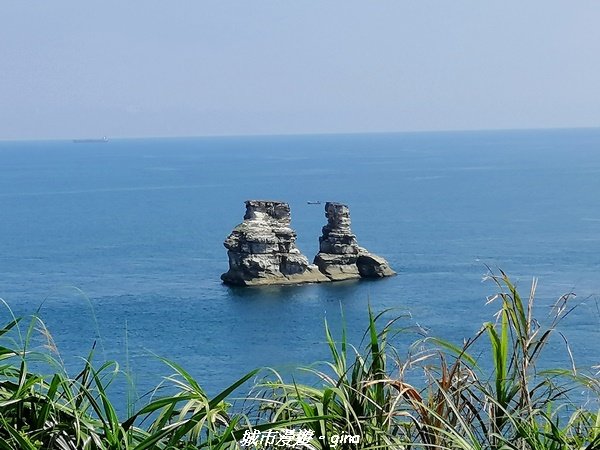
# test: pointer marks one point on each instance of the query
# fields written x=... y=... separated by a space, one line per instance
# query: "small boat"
x=91 y=141
x=316 y=202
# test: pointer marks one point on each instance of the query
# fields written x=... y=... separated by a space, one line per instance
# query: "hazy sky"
x=164 y=68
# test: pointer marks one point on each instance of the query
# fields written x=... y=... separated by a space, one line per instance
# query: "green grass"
x=363 y=397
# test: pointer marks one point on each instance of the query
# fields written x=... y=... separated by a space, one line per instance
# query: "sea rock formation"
x=262 y=249
x=340 y=257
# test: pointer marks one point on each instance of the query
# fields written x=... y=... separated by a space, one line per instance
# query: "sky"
x=141 y=68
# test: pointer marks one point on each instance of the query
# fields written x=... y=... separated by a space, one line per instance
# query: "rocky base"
x=373 y=266
x=337 y=267
x=262 y=249
x=312 y=275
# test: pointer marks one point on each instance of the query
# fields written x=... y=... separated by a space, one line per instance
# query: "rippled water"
x=123 y=240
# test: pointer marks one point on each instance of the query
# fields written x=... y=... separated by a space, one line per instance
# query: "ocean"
x=121 y=243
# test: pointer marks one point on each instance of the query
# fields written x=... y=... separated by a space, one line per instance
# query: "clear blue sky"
x=196 y=67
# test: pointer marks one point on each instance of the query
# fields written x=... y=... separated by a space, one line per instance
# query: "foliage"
x=439 y=395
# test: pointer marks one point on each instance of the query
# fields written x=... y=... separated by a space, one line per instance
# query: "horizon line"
x=300 y=134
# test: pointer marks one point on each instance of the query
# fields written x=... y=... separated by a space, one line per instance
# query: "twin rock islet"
x=262 y=249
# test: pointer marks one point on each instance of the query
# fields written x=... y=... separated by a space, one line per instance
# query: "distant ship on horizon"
x=104 y=139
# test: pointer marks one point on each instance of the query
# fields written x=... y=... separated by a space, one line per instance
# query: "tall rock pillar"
x=262 y=249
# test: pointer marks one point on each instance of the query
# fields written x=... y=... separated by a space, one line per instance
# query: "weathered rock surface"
x=340 y=257
x=373 y=266
x=262 y=249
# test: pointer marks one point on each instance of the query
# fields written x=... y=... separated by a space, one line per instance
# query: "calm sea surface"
x=122 y=242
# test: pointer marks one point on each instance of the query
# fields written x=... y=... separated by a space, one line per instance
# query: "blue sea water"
x=121 y=242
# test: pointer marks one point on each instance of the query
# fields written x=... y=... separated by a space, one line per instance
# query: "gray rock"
x=340 y=257
x=337 y=267
x=373 y=266
x=262 y=249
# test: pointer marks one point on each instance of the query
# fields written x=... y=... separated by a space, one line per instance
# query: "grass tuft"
x=363 y=397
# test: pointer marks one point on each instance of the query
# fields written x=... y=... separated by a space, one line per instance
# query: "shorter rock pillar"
x=340 y=257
